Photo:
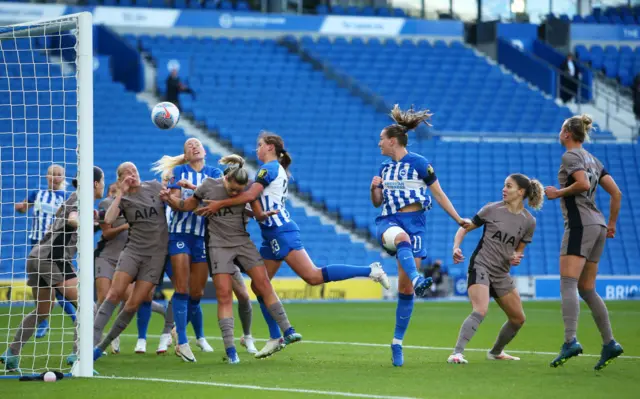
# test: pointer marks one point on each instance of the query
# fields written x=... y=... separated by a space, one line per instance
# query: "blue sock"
x=44 y=323
x=344 y=272
x=143 y=318
x=180 y=311
x=66 y=305
x=195 y=317
x=403 y=315
x=404 y=254
x=274 y=330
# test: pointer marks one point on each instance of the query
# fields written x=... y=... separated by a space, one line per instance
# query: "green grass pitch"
x=346 y=353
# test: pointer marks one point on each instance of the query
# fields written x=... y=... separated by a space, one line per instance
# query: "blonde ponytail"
x=234 y=171
x=166 y=164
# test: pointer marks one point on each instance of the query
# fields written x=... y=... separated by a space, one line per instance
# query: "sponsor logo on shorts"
x=180 y=245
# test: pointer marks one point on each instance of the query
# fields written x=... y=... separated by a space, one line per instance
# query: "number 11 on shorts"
x=416 y=241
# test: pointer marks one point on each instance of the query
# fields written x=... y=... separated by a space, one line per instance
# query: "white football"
x=165 y=115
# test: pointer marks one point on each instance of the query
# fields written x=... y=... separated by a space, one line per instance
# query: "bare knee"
x=518 y=320
x=225 y=297
x=402 y=237
x=114 y=295
x=481 y=310
x=242 y=295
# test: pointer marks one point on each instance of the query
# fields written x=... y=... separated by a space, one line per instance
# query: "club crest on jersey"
x=262 y=173
x=403 y=173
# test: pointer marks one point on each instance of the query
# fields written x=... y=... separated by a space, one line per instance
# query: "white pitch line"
x=437 y=348
x=256 y=387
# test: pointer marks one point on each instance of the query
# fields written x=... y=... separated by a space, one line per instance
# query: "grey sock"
x=168 y=319
x=122 y=321
x=280 y=316
x=246 y=315
x=157 y=308
x=25 y=331
x=600 y=314
x=102 y=318
x=468 y=328
x=506 y=334
x=570 y=307
x=226 y=327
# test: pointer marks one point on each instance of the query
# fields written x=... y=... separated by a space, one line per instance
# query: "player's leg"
x=586 y=287
x=44 y=303
x=143 y=317
x=166 y=338
x=272 y=263
x=68 y=307
x=511 y=304
x=198 y=281
x=478 y=283
x=181 y=267
x=404 y=310
x=224 y=295
x=139 y=295
x=576 y=245
x=398 y=242
x=116 y=293
x=245 y=311
x=261 y=284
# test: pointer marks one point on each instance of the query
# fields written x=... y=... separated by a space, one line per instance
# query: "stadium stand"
x=621 y=63
x=114 y=142
x=247 y=85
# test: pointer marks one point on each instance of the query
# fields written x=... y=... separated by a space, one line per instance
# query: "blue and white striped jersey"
x=275 y=181
x=45 y=205
x=189 y=222
x=405 y=182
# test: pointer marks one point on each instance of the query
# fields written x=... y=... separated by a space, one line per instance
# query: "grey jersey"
x=145 y=213
x=227 y=228
x=502 y=233
x=580 y=210
x=59 y=243
x=111 y=249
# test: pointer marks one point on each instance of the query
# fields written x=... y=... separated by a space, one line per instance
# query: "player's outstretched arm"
x=445 y=203
x=177 y=203
x=245 y=197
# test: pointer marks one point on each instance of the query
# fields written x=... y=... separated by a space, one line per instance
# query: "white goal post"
x=23 y=120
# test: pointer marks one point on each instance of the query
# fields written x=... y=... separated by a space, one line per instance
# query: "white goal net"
x=46 y=138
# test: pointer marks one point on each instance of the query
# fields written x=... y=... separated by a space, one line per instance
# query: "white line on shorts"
x=436 y=348
x=256 y=387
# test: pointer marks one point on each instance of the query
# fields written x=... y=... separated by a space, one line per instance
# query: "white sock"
x=396 y=342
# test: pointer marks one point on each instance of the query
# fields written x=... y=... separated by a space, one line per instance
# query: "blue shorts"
x=190 y=244
x=413 y=223
x=276 y=245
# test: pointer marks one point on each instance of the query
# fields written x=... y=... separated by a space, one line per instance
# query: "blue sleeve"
x=31 y=198
x=213 y=172
x=177 y=172
x=425 y=170
x=267 y=174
